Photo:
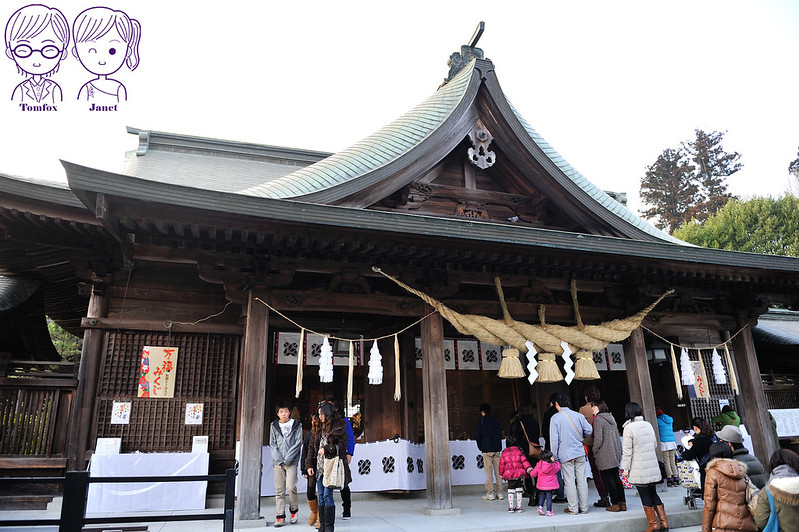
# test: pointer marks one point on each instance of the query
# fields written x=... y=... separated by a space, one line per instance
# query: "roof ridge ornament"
x=458 y=60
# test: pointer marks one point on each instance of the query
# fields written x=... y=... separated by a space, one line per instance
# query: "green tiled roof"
x=376 y=150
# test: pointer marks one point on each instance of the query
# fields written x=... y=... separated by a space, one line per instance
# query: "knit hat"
x=658 y=411
x=730 y=433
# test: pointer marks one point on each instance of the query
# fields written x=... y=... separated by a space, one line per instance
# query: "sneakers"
x=279 y=521
x=583 y=511
x=541 y=510
x=567 y=511
x=293 y=517
x=489 y=497
x=550 y=514
x=511 y=510
x=499 y=496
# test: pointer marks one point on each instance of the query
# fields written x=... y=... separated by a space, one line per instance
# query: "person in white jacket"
x=639 y=462
x=285 y=442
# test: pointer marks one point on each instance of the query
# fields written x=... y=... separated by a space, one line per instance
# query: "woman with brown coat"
x=725 y=493
x=329 y=442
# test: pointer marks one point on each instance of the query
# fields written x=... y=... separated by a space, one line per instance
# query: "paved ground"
x=403 y=512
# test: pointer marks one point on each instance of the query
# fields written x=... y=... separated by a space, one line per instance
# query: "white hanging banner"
x=719 y=374
x=615 y=354
x=568 y=364
x=468 y=354
x=326 y=361
x=490 y=357
x=375 y=375
x=287 y=347
x=686 y=370
x=448 y=352
x=601 y=360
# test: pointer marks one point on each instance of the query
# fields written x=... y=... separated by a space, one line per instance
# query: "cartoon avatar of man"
x=105 y=40
x=36 y=39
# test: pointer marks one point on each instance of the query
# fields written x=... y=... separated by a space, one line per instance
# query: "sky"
x=609 y=84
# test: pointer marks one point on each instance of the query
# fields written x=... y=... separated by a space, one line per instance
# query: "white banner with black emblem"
x=468 y=354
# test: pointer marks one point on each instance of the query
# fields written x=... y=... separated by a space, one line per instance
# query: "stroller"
x=688 y=471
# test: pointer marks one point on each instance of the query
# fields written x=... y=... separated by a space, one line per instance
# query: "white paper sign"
x=120 y=413
x=194 y=414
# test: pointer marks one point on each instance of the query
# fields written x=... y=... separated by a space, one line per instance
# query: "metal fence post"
x=230 y=499
x=73 y=504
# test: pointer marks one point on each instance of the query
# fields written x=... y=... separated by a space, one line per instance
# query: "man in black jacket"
x=489 y=440
x=560 y=496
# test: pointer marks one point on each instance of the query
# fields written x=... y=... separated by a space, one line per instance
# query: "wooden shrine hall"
x=217 y=248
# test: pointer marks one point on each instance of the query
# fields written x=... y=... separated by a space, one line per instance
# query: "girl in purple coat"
x=513 y=465
x=547 y=472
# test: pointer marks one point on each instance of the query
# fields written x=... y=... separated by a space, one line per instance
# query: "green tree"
x=689 y=182
x=67 y=345
x=760 y=225
x=668 y=186
x=713 y=165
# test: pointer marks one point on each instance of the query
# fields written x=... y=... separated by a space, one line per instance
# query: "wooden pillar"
x=82 y=413
x=638 y=380
x=751 y=390
x=436 y=419
x=253 y=393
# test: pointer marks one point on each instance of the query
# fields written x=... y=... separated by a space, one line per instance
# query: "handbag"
x=535 y=449
x=752 y=495
x=333 y=476
x=773 y=524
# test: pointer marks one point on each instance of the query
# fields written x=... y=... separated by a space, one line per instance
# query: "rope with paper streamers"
x=328 y=372
x=684 y=375
x=547 y=338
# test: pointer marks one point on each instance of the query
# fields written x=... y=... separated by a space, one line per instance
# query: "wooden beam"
x=638 y=380
x=436 y=419
x=753 y=404
x=253 y=392
x=143 y=324
x=83 y=410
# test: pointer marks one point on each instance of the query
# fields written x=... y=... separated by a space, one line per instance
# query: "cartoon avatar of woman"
x=36 y=40
x=105 y=40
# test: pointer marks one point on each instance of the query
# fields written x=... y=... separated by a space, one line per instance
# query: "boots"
x=602 y=502
x=320 y=518
x=518 y=500
x=330 y=519
x=314 y=517
x=664 y=521
x=651 y=519
x=613 y=508
x=511 y=501
x=622 y=506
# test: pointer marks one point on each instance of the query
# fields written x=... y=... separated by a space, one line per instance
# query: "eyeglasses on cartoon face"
x=48 y=52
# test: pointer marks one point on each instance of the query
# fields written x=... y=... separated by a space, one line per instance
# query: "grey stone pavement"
x=404 y=512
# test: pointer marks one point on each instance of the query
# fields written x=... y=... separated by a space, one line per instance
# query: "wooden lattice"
x=27 y=419
x=207 y=372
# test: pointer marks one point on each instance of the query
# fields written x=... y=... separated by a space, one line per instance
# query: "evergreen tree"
x=67 y=345
x=713 y=165
x=760 y=225
x=668 y=186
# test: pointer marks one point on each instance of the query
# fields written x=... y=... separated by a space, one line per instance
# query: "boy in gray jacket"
x=285 y=442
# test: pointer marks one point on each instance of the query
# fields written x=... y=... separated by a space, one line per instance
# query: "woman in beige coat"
x=725 y=493
x=640 y=462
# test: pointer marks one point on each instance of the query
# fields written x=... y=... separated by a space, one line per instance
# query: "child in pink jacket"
x=547 y=472
x=513 y=465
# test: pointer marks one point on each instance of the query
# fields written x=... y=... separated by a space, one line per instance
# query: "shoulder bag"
x=535 y=449
x=579 y=434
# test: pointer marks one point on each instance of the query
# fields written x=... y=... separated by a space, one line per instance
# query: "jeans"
x=575 y=484
x=324 y=494
x=545 y=496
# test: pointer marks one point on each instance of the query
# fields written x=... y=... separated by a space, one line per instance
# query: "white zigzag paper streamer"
x=567 y=362
x=531 y=361
x=686 y=370
x=718 y=368
x=375 y=365
x=326 y=362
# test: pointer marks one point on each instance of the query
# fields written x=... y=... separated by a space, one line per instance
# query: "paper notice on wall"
x=120 y=413
x=157 y=372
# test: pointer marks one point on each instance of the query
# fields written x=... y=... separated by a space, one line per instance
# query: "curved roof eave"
x=333 y=178
x=573 y=181
x=595 y=193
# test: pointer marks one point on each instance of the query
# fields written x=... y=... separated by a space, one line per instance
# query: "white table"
x=147 y=496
